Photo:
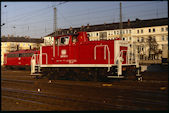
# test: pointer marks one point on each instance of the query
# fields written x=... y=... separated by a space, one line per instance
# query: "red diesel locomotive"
x=19 y=59
x=75 y=57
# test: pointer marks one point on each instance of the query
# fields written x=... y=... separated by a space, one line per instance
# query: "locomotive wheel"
x=93 y=75
x=27 y=68
x=75 y=76
x=51 y=74
x=71 y=74
x=81 y=75
x=101 y=74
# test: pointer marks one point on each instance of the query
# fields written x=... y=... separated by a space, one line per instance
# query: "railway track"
x=62 y=101
x=145 y=85
x=86 y=103
x=136 y=98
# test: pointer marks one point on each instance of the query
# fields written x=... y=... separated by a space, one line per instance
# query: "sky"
x=36 y=19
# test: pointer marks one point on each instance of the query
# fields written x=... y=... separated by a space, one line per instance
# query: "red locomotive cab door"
x=124 y=54
x=64 y=48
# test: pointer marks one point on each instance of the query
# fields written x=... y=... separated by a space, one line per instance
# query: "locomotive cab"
x=80 y=37
x=65 y=46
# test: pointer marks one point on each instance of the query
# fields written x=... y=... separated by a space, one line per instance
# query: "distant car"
x=19 y=59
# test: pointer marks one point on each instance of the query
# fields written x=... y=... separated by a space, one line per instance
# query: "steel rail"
x=92 y=101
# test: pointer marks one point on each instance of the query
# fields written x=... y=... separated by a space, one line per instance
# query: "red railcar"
x=19 y=59
x=75 y=57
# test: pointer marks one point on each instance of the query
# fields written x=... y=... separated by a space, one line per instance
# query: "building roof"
x=113 y=26
x=21 y=39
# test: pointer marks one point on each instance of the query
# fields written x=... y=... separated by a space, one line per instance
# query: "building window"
x=162 y=29
x=129 y=38
x=167 y=38
x=123 y=38
x=138 y=39
x=115 y=32
x=142 y=48
x=166 y=28
x=138 y=31
x=123 y=32
x=97 y=34
x=153 y=29
x=126 y=31
x=129 y=31
x=142 y=31
x=142 y=39
x=162 y=38
x=149 y=30
x=162 y=46
x=23 y=44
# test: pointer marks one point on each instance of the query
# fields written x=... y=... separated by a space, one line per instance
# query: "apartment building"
x=137 y=32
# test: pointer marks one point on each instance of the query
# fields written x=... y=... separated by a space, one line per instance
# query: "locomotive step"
x=115 y=76
x=35 y=74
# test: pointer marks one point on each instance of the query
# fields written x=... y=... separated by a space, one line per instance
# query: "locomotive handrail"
x=105 y=46
x=38 y=58
x=127 y=56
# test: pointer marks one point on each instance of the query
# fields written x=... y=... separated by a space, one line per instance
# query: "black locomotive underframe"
x=85 y=73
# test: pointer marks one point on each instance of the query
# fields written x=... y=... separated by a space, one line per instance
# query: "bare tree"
x=153 y=48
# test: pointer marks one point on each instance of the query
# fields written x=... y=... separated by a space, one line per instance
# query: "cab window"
x=74 y=39
x=64 y=40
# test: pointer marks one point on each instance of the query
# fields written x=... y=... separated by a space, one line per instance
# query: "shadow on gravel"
x=157 y=68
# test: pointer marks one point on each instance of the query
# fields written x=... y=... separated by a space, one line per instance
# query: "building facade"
x=149 y=38
x=155 y=36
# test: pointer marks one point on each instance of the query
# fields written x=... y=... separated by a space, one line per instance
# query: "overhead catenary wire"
x=23 y=15
x=76 y=25
x=67 y=19
x=87 y=13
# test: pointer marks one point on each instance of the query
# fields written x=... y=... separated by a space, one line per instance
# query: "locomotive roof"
x=72 y=34
x=24 y=51
x=21 y=39
x=113 y=26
